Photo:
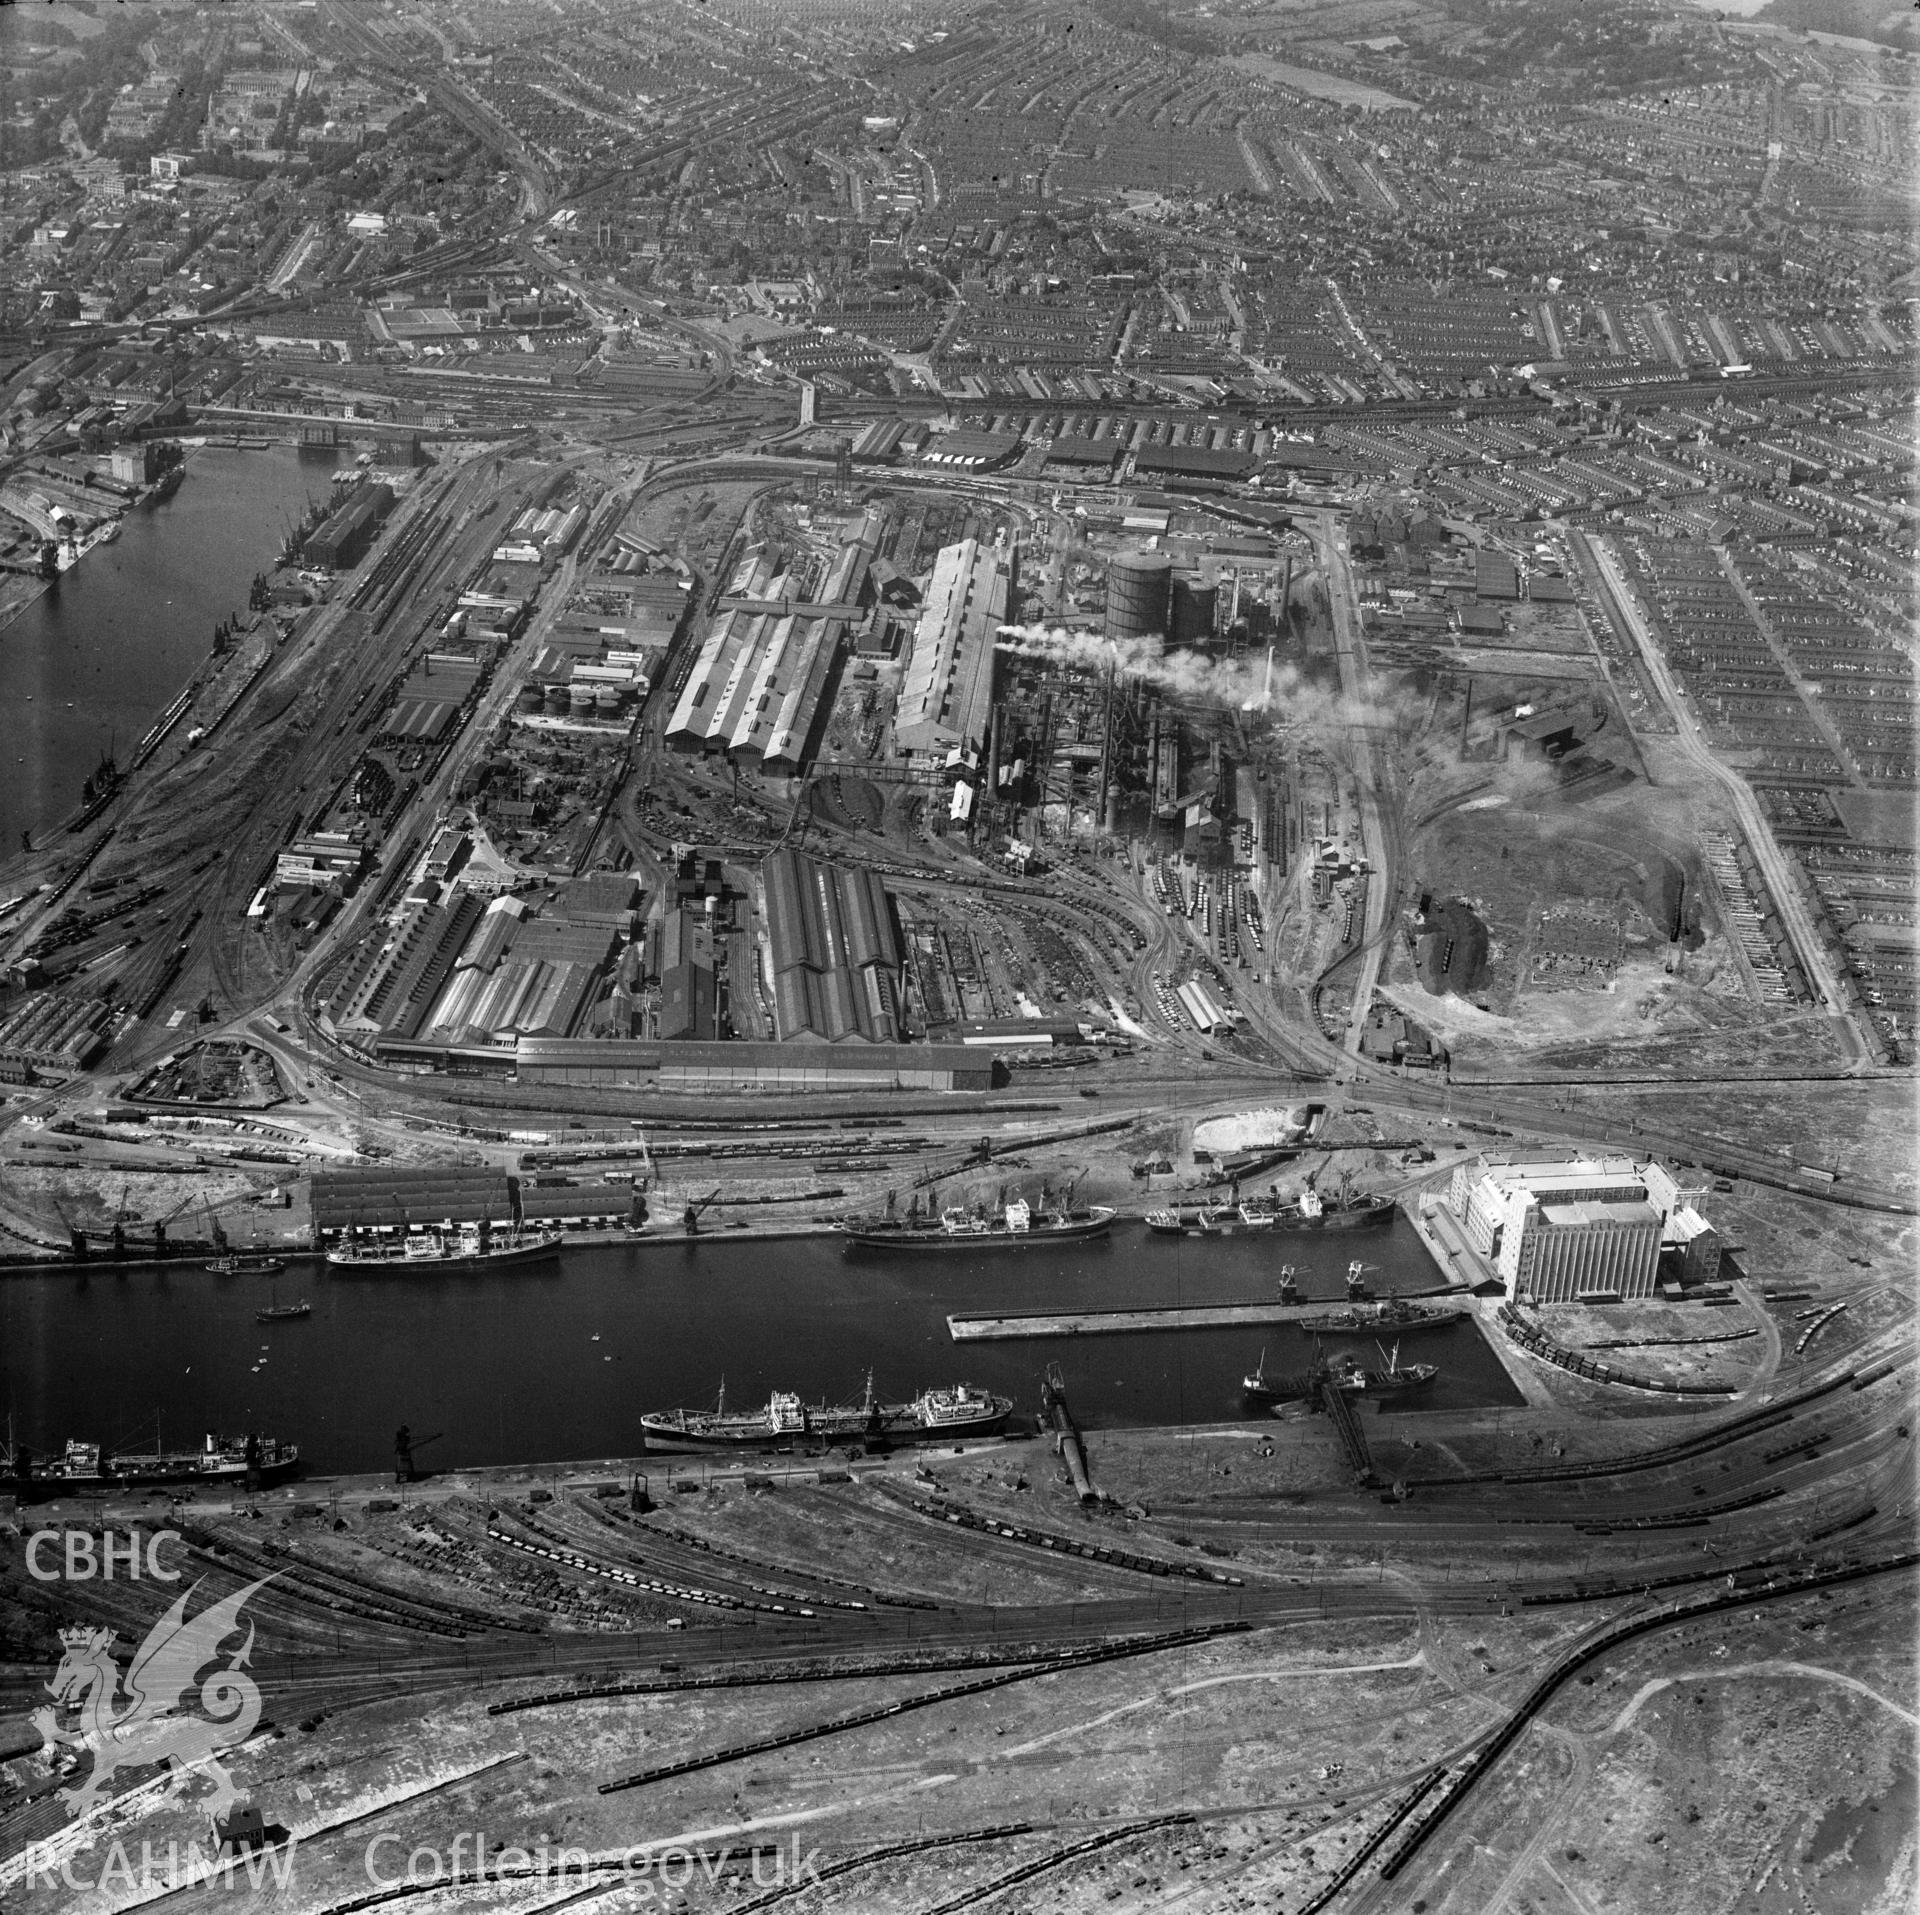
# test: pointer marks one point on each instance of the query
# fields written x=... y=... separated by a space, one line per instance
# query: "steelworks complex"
x=553 y=994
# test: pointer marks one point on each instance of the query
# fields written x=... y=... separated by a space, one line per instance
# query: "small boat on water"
x=283 y=1312
x=237 y=1266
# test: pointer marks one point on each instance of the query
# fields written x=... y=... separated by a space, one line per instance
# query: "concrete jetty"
x=1188 y=1316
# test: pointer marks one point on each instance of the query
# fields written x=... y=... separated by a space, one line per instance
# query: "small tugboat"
x=1263 y=1392
x=237 y=1266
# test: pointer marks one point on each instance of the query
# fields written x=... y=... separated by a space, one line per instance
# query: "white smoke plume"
x=1286 y=697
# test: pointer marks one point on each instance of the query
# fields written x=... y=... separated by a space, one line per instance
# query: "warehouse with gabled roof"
x=832 y=951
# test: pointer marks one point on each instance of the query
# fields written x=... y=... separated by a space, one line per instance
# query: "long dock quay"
x=1186 y=1316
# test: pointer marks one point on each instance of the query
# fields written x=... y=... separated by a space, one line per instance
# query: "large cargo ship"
x=1312 y=1209
x=469 y=1248
x=1017 y=1226
x=1345 y=1374
x=934 y=1416
x=1394 y=1379
x=219 y=1460
x=1342 y=1209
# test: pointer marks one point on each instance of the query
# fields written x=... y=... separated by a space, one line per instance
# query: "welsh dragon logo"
x=154 y=1723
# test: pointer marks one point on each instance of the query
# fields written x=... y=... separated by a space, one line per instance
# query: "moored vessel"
x=935 y=1415
x=783 y=1419
x=236 y=1266
x=1264 y=1390
x=92 y=1466
x=960 y=1410
x=1011 y=1226
x=1209 y=1220
x=471 y=1247
x=1393 y=1379
x=1345 y=1209
x=1359 y=1210
x=1311 y=1209
x=1394 y=1313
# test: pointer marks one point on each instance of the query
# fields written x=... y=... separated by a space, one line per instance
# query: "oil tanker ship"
x=934 y=1416
x=1014 y=1226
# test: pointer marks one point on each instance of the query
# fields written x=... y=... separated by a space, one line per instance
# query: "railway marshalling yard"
x=1607 y=1647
